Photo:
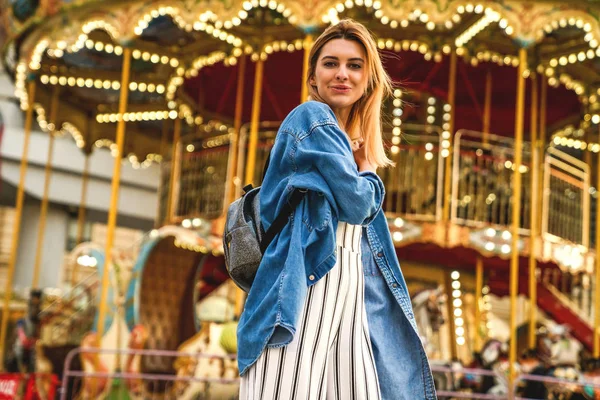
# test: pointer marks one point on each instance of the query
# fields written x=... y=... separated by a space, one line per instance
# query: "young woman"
x=328 y=315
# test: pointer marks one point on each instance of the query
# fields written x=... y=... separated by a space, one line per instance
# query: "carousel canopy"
x=186 y=56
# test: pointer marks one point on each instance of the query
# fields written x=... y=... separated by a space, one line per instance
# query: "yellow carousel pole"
x=47 y=177
x=173 y=175
x=448 y=166
x=597 y=283
x=81 y=214
x=478 y=301
x=450 y=311
x=17 y=222
x=447 y=181
x=541 y=146
x=256 y=102
x=533 y=239
x=308 y=41
x=516 y=214
x=114 y=199
x=237 y=126
x=487 y=107
x=83 y=200
x=487 y=114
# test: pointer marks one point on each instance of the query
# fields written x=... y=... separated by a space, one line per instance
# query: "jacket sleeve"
x=357 y=196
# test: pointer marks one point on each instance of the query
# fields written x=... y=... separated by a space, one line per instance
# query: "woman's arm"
x=357 y=195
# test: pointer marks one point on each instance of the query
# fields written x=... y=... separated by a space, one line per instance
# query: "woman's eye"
x=329 y=64
x=355 y=66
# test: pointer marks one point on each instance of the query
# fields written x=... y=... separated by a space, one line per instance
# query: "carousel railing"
x=566 y=222
x=579 y=303
x=579 y=386
x=414 y=188
x=566 y=207
x=202 y=170
x=201 y=177
x=198 y=375
x=482 y=184
x=457 y=382
x=574 y=291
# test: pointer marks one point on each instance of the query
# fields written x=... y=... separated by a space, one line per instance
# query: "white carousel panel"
x=66 y=189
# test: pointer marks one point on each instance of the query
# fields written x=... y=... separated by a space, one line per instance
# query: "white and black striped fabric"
x=330 y=356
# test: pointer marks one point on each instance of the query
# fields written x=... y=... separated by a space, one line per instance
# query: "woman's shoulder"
x=307 y=116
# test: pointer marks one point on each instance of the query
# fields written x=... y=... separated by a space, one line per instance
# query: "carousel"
x=493 y=126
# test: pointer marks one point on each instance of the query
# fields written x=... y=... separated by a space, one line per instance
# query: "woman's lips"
x=340 y=89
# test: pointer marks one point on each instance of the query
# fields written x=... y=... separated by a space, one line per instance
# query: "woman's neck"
x=343 y=123
x=342 y=117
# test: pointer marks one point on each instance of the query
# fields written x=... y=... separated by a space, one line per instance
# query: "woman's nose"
x=342 y=74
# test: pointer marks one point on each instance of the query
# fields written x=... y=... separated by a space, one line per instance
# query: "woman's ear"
x=312 y=81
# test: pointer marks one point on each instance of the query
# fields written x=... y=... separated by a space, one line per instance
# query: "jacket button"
x=312 y=277
x=380 y=254
x=395 y=285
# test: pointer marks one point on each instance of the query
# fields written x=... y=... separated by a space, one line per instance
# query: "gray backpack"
x=244 y=238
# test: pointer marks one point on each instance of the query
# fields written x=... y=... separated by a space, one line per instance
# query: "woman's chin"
x=339 y=104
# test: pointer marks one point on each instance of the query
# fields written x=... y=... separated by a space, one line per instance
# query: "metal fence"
x=111 y=373
x=546 y=387
x=414 y=188
x=201 y=176
x=482 y=184
x=566 y=209
x=457 y=382
x=481 y=180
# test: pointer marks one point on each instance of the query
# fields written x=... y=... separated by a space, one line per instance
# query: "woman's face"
x=340 y=75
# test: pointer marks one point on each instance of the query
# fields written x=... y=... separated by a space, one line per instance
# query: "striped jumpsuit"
x=330 y=356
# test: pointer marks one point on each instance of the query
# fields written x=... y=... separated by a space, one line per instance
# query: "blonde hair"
x=365 y=116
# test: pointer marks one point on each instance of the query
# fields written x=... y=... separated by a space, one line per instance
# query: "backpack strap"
x=266 y=165
x=282 y=219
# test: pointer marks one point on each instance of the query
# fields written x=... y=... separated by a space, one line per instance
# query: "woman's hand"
x=360 y=156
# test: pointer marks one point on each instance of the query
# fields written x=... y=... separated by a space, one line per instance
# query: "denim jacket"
x=311 y=152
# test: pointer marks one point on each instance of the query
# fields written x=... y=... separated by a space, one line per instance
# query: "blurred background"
x=127 y=127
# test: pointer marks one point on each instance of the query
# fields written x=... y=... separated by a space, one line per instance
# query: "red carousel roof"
x=214 y=89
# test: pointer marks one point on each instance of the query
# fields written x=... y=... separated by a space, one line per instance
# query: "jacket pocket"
x=317 y=211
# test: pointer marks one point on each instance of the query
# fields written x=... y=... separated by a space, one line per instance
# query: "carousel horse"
x=93 y=387
x=137 y=341
x=207 y=341
x=427 y=307
x=96 y=387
